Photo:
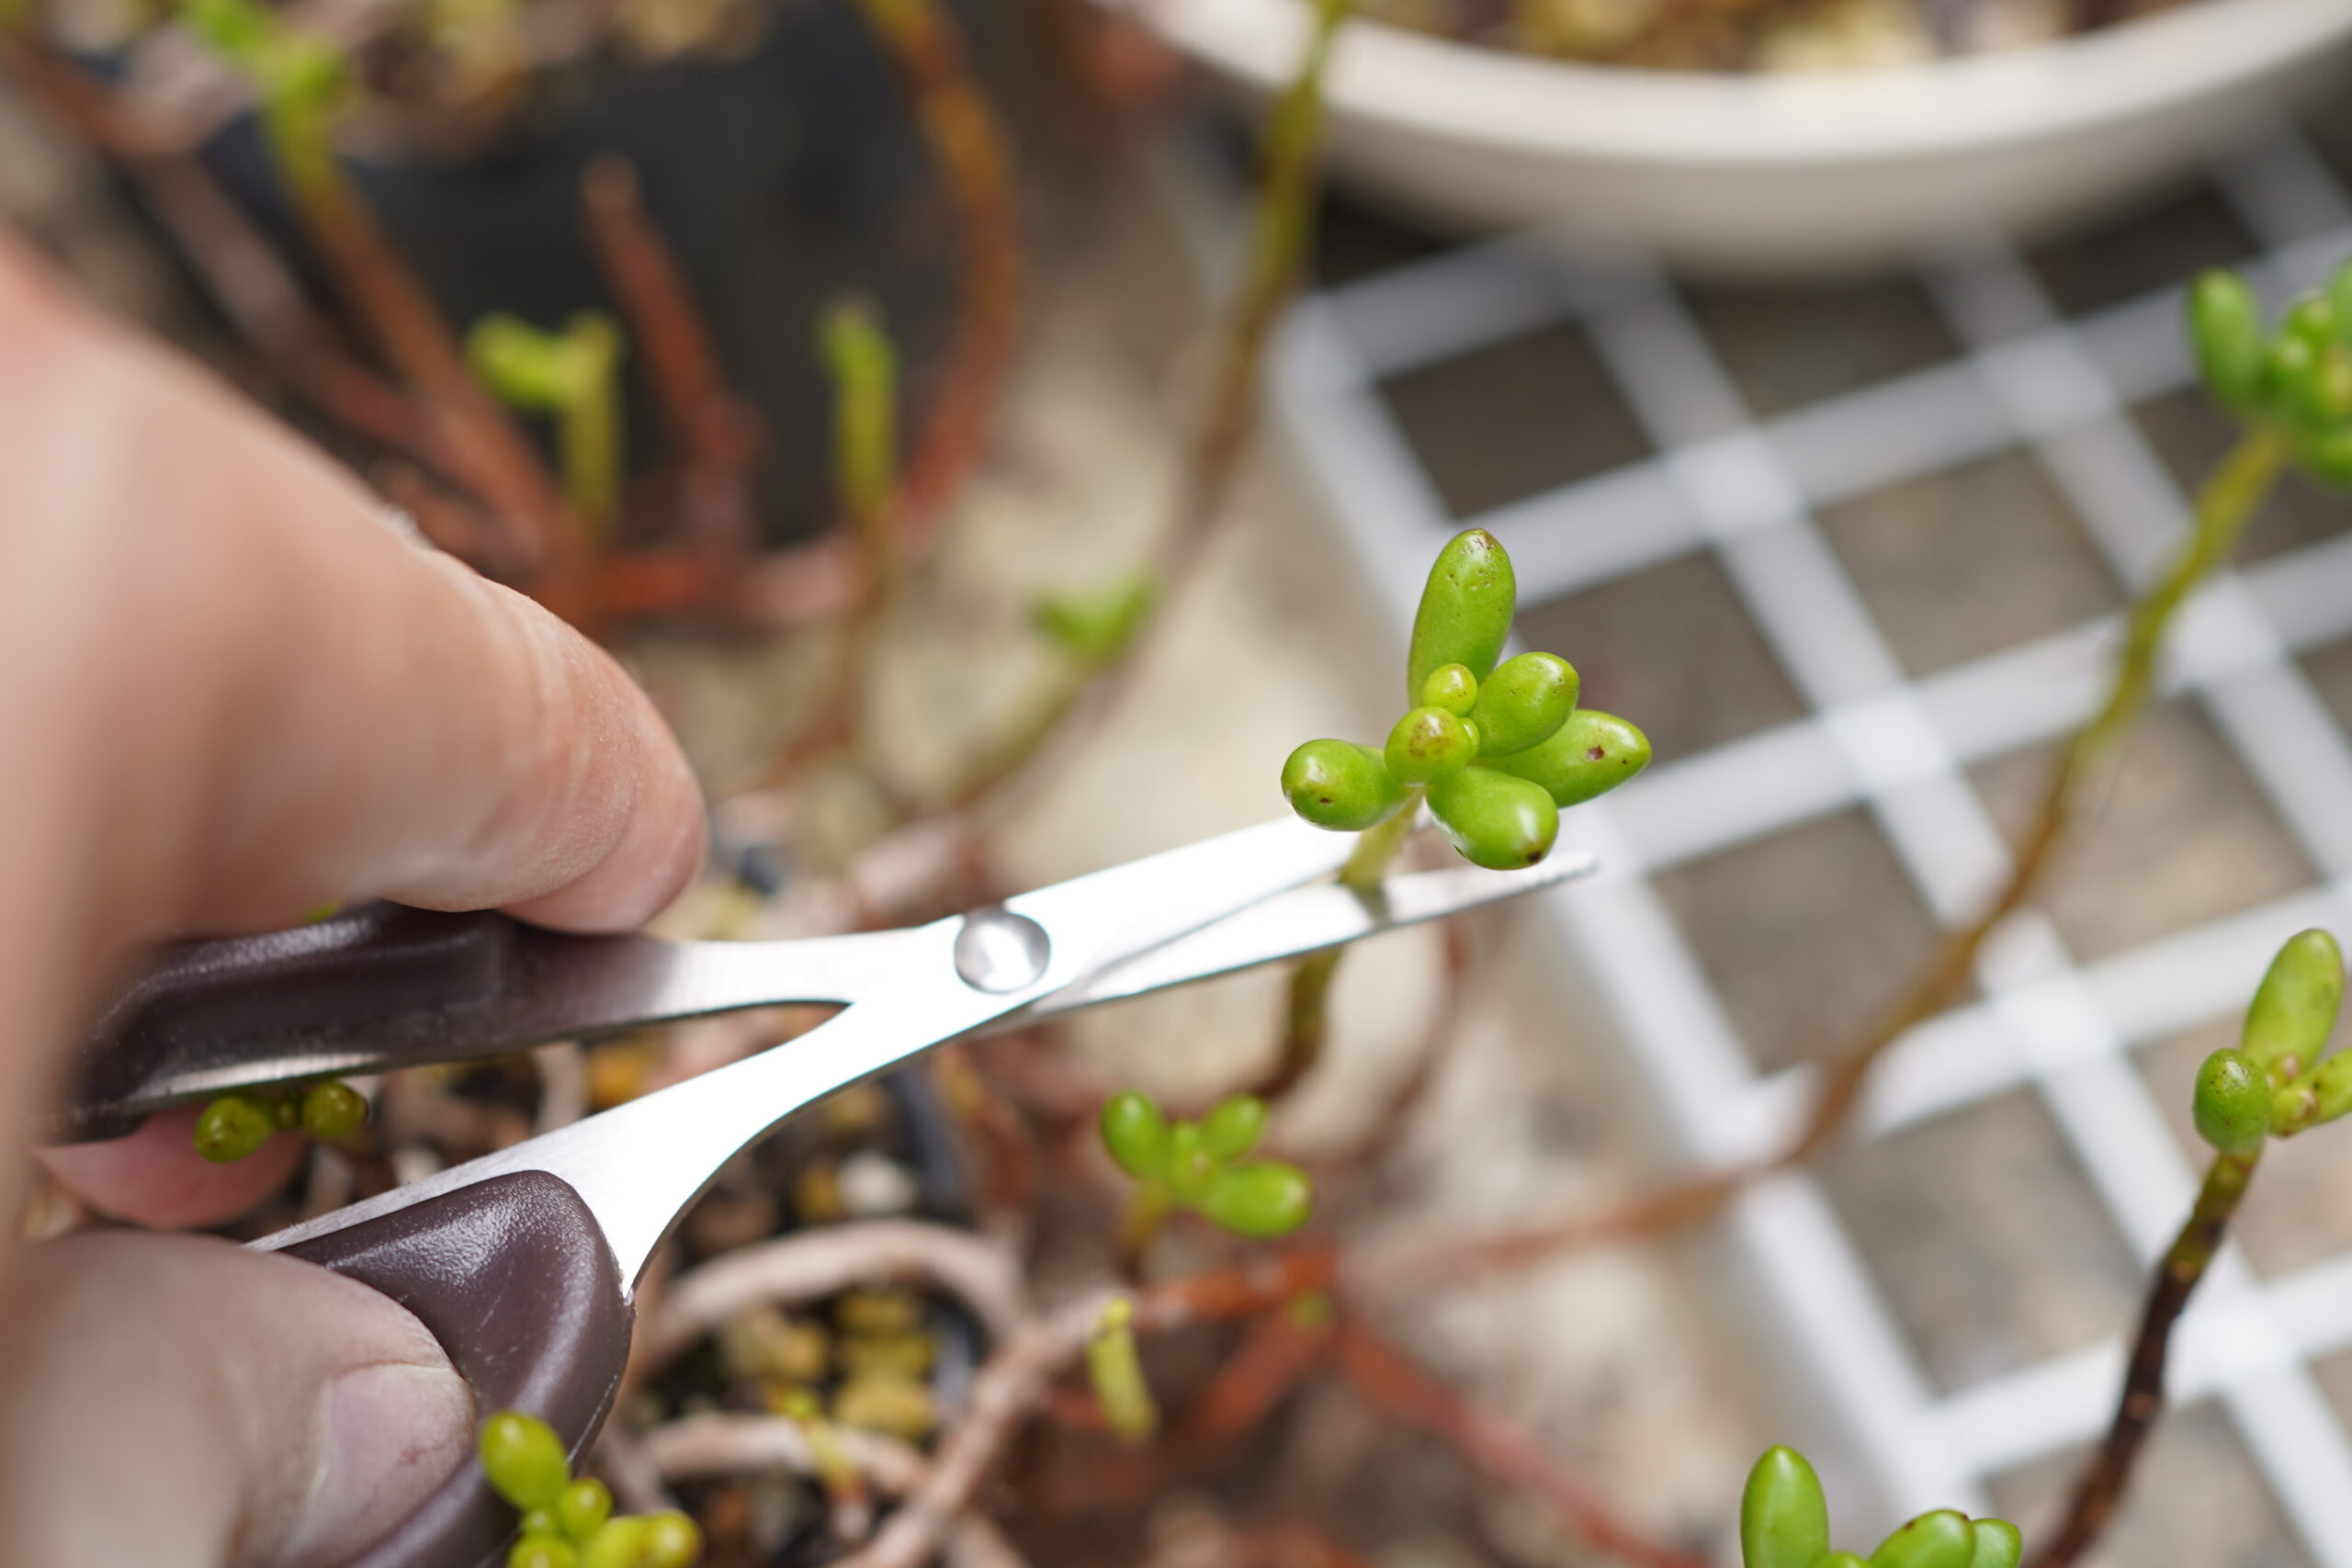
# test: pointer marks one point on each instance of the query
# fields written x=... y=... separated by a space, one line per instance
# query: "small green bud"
x=1094 y=628
x=1466 y=610
x=1941 y=1540
x=1450 y=687
x=542 y=1551
x=233 y=1127
x=582 y=1508
x=1783 y=1517
x=2233 y=1102
x=2288 y=368
x=540 y=1522
x=2225 y=328
x=1341 y=785
x=1190 y=1167
x=1589 y=755
x=1429 y=743
x=2294 y=1007
x=2331 y=1088
x=523 y=1459
x=2339 y=295
x=1136 y=1133
x=2326 y=456
x=620 y=1544
x=1523 y=702
x=1263 y=1198
x=1233 y=1127
x=1998 y=1544
x=2326 y=394
x=286 y=1110
x=1494 y=819
x=1115 y=1369
x=332 y=1110
x=670 y=1539
x=2312 y=317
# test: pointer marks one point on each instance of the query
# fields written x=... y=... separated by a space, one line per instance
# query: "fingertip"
x=155 y=1178
x=659 y=852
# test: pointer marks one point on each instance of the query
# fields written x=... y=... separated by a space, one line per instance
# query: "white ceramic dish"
x=1780 y=174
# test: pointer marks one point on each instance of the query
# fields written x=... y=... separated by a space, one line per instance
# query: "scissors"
x=524 y=1263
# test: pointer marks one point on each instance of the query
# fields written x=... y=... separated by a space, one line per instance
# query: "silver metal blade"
x=1303 y=920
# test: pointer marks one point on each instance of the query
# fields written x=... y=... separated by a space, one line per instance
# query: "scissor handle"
x=358 y=992
x=512 y=1276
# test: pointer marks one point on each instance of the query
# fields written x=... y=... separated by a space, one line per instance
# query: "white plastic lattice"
x=1747 y=491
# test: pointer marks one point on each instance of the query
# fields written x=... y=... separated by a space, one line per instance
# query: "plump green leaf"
x=1941 y=1540
x=2233 y=1102
x=1998 y=1544
x=1233 y=1126
x=523 y=1459
x=2225 y=329
x=2294 y=1010
x=1589 y=755
x=1450 y=687
x=1783 y=1517
x=1466 y=610
x=1523 y=702
x=1429 y=743
x=1136 y=1132
x=1494 y=819
x=1261 y=1198
x=1341 y=785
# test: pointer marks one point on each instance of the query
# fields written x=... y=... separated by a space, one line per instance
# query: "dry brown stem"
x=817 y=1263
x=1494 y=1445
x=698 y=1447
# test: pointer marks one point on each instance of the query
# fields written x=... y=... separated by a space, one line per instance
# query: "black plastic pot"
x=783 y=180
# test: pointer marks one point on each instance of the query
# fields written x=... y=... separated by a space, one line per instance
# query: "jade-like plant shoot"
x=1784 y=1523
x=1202 y=1166
x=1498 y=747
x=2293 y=380
x=569 y=1522
x=574 y=375
x=235 y=1125
x=2277 y=1080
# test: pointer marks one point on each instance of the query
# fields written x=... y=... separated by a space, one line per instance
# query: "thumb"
x=178 y=1402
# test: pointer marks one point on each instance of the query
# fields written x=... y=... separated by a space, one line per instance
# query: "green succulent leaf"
x=1136 y=1133
x=1096 y=627
x=1943 y=1538
x=582 y=1508
x=1450 y=687
x=332 y=1110
x=1261 y=1198
x=523 y=1459
x=1523 y=702
x=1589 y=755
x=233 y=1127
x=1233 y=1126
x=2225 y=329
x=1341 y=785
x=1783 y=1517
x=2294 y=1010
x=1429 y=743
x=1494 y=819
x=542 y=1551
x=2233 y=1102
x=1998 y=1544
x=1466 y=610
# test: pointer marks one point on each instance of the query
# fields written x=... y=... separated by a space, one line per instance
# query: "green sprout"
x=2274 y=1083
x=1497 y=750
x=299 y=78
x=863 y=368
x=1784 y=1523
x=235 y=1125
x=1115 y=1369
x=1202 y=1166
x=2294 y=383
x=568 y=1522
x=1095 y=626
x=574 y=375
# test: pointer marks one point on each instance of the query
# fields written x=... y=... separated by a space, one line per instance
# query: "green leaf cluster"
x=1497 y=748
x=2277 y=1080
x=569 y=1523
x=2294 y=376
x=1784 y=1523
x=1203 y=1166
x=235 y=1125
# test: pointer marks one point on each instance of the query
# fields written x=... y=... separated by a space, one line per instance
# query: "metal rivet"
x=999 y=951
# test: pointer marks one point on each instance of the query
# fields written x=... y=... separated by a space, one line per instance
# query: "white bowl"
x=1787 y=174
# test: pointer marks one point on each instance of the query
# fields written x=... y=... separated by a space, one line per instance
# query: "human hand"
x=231 y=694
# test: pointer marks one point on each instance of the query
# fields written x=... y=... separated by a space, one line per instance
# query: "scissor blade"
x=1303 y=920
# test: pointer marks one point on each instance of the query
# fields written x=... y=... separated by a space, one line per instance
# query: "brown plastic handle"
x=514 y=1277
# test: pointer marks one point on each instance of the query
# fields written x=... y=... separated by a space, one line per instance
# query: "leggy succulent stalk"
x=2273 y=1084
x=300 y=81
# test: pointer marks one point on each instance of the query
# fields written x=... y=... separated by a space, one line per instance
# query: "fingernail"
x=390 y=1435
